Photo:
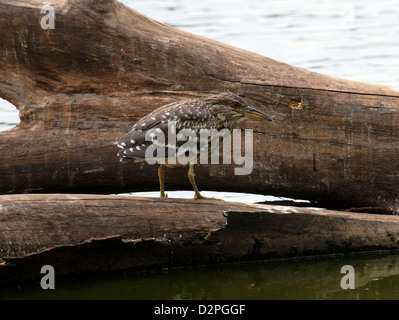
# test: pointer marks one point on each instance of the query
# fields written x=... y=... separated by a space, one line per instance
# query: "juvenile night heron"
x=222 y=111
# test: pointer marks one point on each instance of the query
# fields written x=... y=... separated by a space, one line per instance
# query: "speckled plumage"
x=209 y=114
x=212 y=112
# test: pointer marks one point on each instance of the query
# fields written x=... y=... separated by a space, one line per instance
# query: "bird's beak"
x=255 y=114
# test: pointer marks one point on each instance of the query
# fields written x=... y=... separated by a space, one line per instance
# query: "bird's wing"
x=174 y=118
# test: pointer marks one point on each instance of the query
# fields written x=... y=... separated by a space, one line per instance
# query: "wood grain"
x=87 y=234
x=82 y=85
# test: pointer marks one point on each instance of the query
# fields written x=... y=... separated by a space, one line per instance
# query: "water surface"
x=376 y=277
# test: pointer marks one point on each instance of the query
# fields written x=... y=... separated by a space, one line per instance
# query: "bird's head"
x=232 y=108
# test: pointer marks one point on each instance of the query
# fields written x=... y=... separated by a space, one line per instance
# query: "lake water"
x=356 y=40
x=375 y=277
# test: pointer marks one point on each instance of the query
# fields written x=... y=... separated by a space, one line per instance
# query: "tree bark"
x=83 y=84
x=79 y=234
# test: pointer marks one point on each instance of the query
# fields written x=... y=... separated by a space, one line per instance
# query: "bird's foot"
x=199 y=196
x=163 y=195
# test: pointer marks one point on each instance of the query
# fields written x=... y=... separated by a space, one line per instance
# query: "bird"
x=211 y=112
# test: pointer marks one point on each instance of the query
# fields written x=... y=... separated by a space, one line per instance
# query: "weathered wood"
x=34 y=223
x=82 y=85
x=94 y=233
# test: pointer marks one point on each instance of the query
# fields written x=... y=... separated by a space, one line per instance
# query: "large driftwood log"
x=94 y=233
x=82 y=85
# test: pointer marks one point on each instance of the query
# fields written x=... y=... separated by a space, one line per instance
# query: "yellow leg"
x=191 y=176
x=161 y=175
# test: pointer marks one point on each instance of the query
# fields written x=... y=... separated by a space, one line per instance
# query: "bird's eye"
x=235 y=105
